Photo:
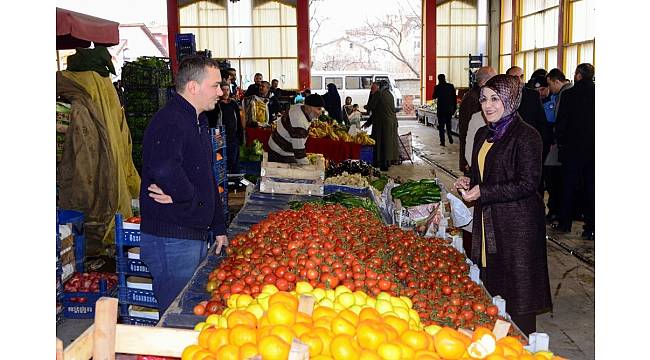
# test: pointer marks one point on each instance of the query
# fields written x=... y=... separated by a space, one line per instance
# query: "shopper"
x=234 y=88
x=332 y=101
x=384 y=126
x=275 y=90
x=347 y=109
x=469 y=106
x=508 y=237
x=287 y=141
x=254 y=88
x=531 y=109
x=231 y=119
x=446 y=107
x=575 y=136
x=354 y=119
x=179 y=201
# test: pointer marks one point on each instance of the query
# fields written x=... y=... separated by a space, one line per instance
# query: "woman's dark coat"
x=332 y=101
x=513 y=213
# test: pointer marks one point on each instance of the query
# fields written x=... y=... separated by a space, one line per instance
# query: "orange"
x=263 y=331
x=228 y=352
x=390 y=351
x=400 y=325
x=407 y=351
x=324 y=322
x=391 y=333
x=218 y=339
x=264 y=320
x=299 y=329
x=480 y=331
x=341 y=326
x=204 y=355
x=272 y=347
x=415 y=339
x=247 y=351
x=284 y=298
x=283 y=332
x=350 y=316
x=450 y=344
x=303 y=318
x=281 y=314
x=496 y=357
x=204 y=335
x=343 y=347
x=370 y=335
x=369 y=313
x=241 y=317
x=242 y=334
x=323 y=311
x=426 y=355
x=368 y=355
x=325 y=336
x=314 y=342
x=188 y=352
x=511 y=342
x=526 y=357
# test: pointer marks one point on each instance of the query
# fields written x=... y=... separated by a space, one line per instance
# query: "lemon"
x=432 y=329
x=327 y=302
x=199 y=326
x=255 y=309
x=243 y=300
x=347 y=299
x=546 y=354
x=223 y=323
x=303 y=287
x=402 y=313
x=360 y=297
x=270 y=289
x=232 y=301
x=338 y=307
x=383 y=296
x=414 y=315
x=356 y=309
x=330 y=294
x=407 y=300
x=383 y=306
x=342 y=289
x=318 y=293
x=397 y=302
x=371 y=302
x=412 y=324
x=212 y=319
x=263 y=301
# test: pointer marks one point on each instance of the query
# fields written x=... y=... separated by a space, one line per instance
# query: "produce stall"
x=427 y=115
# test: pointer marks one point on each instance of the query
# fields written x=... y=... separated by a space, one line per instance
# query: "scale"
x=475 y=62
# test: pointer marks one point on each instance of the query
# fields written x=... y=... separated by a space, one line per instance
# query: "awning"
x=75 y=30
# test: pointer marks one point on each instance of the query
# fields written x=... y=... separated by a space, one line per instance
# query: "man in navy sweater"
x=179 y=201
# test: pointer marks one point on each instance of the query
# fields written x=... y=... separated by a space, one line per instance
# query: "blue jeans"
x=172 y=262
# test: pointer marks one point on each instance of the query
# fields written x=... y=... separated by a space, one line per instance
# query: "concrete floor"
x=571 y=324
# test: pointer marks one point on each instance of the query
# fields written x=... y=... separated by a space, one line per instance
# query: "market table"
x=430 y=118
x=332 y=150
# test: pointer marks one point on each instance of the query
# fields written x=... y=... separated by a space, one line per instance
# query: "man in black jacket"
x=575 y=137
x=254 y=88
x=446 y=95
x=531 y=108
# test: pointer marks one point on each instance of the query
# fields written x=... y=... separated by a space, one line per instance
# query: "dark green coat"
x=384 y=126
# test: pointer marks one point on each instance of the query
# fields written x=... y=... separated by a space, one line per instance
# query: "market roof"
x=75 y=29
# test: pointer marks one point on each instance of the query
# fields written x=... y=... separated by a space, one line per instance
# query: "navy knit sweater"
x=177 y=156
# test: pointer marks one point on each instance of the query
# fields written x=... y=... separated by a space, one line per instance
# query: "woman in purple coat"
x=509 y=233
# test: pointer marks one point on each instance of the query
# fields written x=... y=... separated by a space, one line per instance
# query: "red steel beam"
x=173 y=28
x=429 y=7
x=304 y=47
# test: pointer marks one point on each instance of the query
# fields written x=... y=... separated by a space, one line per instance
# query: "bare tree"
x=389 y=35
x=315 y=22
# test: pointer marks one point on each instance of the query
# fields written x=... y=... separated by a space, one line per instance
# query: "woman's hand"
x=462 y=183
x=472 y=195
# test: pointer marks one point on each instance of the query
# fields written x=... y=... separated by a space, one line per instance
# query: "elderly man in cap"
x=287 y=142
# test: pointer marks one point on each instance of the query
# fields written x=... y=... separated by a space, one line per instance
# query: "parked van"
x=355 y=84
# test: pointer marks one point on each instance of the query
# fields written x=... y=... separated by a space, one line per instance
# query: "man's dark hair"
x=274 y=80
x=441 y=77
x=538 y=72
x=260 y=74
x=556 y=74
x=586 y=70
x=231 y=69
x=193 y=68
x=224 y=83
x=265 y=83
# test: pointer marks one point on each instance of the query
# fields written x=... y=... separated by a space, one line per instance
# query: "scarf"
x=508 y=88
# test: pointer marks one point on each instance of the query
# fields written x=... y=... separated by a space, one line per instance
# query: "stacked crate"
x=147 y=87
x=220 y=167
x=59 y=272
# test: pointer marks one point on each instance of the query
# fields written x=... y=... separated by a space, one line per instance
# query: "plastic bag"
x=460 y=214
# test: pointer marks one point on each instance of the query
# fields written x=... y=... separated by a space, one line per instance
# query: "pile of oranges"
x=342 y=334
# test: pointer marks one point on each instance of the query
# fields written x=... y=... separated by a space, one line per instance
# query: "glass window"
x=506 y=10
x=366 y=82
x=570 y=60
x=352 y=82
x=587 y=53
x=316 y=82
x=505 y=63
x=286 y=71
x=551 y=59
x=583 y=13
x=204 y=13
x=338 y=81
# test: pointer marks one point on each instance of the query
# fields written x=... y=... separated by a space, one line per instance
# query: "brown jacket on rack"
x=513 y=212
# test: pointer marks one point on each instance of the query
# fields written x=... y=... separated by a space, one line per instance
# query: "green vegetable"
x=413 y=193
x=345 y=199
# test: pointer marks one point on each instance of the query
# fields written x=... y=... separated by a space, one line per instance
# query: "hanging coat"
x=384 y=126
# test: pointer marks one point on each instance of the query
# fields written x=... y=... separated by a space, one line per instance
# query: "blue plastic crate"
x=218 y=141
x=185 y=38
x=85 y=310
x=367 y=153
x=131 y=267
x=330 y=189
x=134 y=320
x=125 y=237
x=140 y=297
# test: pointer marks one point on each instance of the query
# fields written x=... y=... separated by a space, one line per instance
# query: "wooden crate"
x=268 y=185
x=293 y=171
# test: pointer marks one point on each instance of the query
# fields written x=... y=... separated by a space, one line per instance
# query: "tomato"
x=312 y=274
x=446 y=289
x=282 y=284
x=478 y=307
x=384 y=285
x=492 y=310
x=212 y=307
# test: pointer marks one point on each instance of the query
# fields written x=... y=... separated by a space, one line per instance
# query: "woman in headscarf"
x=346 y=111
x=333 y=102
x=509 y=234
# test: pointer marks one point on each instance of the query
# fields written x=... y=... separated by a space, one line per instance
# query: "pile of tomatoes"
x=331 y=245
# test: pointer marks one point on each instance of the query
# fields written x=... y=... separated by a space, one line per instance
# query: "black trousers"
x=577 y=170
x=444 y=121
x=553 y=184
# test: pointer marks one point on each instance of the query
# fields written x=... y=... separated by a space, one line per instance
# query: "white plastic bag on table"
x=460 y=214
